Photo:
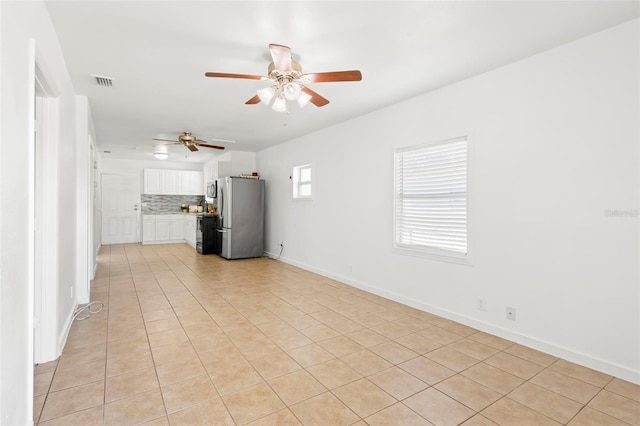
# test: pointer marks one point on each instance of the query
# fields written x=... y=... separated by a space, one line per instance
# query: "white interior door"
x=120 y=202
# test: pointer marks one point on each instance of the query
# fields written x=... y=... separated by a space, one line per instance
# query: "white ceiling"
x=157 y=52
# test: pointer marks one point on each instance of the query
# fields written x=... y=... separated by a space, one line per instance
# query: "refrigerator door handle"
x=221 y=201
x=222 y=209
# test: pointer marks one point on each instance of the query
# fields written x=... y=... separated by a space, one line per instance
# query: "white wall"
x=23 y=25
x=235 y=163
x=136 y=167
x=555 y=145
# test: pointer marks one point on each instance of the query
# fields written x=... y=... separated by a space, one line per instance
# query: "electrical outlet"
x=480 y=304
x=511 y=313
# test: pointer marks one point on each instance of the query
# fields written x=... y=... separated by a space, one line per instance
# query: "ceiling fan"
x=191 y=142
x=289 y=81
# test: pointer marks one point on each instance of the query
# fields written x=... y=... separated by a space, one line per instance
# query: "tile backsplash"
x=167 y=203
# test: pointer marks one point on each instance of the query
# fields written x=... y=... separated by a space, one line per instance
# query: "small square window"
x=302 y=188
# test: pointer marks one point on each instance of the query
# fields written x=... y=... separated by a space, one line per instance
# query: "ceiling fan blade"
x=316 y=99
x=165 y=140
x=206 y=145
x=227 y=75
x=254 y=100
x=281 y=57
x=191 y=147
x=326 y=77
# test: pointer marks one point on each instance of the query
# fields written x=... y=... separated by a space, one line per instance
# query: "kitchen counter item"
x=178 y=213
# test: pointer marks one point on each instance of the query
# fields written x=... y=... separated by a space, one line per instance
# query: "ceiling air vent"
x=103 y=81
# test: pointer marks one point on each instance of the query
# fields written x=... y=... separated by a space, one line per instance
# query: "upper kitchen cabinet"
x=191 y=183
x=152 y=182
x=173 y=182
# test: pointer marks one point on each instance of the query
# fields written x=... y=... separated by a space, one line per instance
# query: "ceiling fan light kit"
x=161 y=152
x=280 y=104
x=286 y=92
x=161 y=155
x=303 y=99
x=292 y=91
x=266 y=94
x=289 y=81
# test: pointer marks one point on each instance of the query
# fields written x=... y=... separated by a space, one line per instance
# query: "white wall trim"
x=30 y=223
x=95 y=269
x=528 y=341
x=49 y=267
x=1 y=254
x=62 y=340
x=83 y=201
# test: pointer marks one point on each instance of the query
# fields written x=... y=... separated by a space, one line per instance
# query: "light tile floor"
x=186 y=339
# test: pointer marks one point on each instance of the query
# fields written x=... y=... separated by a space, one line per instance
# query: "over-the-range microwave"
x=212 y=189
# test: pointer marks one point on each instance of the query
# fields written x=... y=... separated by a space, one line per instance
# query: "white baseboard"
x=565 y=353
x=95 y=261
x=62 y=340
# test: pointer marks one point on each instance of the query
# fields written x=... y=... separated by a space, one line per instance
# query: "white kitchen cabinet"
x=152 y=181
x=176 y=229
x=173 y=182
x=164 y=228
x=190 y=223
x=148 y=228
x=186 y=184
x=191 y=182
x=169 y=227
x=198 y=183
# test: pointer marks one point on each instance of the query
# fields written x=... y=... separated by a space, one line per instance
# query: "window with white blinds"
x=431 y=199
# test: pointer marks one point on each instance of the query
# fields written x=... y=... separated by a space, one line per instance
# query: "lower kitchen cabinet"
x=164 y=228
x=148 y=228
x=189 y=230
x=176 y=229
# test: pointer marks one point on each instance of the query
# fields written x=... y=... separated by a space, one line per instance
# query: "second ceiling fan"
x=289 y=81
x=190 y=141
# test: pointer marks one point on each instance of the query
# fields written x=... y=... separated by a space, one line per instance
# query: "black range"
x=206 y=234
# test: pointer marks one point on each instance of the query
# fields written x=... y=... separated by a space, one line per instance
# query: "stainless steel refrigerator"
x=241 y=217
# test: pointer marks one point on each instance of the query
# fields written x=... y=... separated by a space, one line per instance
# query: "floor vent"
x=103 y=81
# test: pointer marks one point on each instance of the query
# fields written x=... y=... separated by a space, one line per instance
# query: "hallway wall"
x=26 y=33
